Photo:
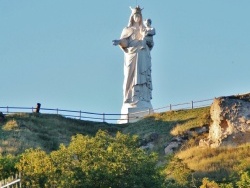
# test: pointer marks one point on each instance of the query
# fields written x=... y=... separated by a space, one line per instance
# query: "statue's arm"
x=116 y=42
x=121 y=42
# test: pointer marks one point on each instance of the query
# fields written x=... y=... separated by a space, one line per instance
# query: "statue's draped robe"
x=137 y=67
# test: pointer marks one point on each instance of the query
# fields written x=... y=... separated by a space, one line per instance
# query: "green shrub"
x=36 y=168
x=100 y=161
x=178 y=171
x=244 y=181
x=7 y=166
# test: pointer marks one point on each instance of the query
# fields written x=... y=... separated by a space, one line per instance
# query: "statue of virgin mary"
x=137 y=86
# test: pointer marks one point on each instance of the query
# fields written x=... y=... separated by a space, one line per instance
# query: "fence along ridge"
x=104 y=116
x=11 y=181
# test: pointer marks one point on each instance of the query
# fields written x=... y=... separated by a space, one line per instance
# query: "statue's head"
x=136 y=16
x=148 y=22
x=136 y=10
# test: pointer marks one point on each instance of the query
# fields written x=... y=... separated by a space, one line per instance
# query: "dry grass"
x=167 y=125
x=191 y=119
x=26 y=130
x=217 y=163
x=10 y=125
x=23 y=130
x=174 y=122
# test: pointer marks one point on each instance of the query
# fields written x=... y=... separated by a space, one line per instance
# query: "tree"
x=100 y=161
x=36 y=168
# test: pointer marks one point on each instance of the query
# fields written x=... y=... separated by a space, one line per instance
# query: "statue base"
x=133 y=112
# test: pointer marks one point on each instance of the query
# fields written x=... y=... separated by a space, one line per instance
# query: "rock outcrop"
x=147 y=143
x=178 y=141
x=174 y=144
x=230 y=121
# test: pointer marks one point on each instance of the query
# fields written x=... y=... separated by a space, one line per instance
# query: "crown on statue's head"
x=136 y=10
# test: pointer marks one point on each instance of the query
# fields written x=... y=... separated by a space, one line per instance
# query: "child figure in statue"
x=149 y=33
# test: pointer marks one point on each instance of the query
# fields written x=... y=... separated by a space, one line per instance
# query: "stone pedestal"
x=134 y=112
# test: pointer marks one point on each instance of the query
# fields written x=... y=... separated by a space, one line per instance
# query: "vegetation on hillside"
x=99 y=161
x=167 y=125
x=190 y=166
x=23 y=131
x=218 y=164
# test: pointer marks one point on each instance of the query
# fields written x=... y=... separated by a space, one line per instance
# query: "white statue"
x=136 y=41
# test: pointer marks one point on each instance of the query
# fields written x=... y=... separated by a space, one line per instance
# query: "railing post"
x=80 y=115
x=170 y=107
x=7 y=109
x=128 y=117
x=192 y=104
x=38 y=106
x=19 y=176
x=103 y=117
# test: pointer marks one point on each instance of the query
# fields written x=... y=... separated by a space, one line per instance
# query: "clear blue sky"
x=59 y=52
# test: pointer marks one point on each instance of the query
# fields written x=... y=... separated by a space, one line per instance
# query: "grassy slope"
x=22 y=131
x=217 y=164
x=168 y=124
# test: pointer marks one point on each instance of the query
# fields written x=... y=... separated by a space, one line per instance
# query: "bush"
x=209 y=184
x=100 y=161
x=7 y=166
x=244 y=181
x=36 y=168
x=177 y=172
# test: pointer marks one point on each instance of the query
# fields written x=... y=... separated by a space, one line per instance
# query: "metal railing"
x=82 y=115
x=186 y=105
x=105 y=117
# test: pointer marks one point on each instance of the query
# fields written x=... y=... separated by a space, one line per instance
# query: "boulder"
x=174 y=144
x=230 y=121
x=147 y=143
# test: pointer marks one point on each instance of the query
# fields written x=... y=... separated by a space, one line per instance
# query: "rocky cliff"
x=230 y=121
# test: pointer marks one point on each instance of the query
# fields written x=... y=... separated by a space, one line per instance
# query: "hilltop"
x=31 y=130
